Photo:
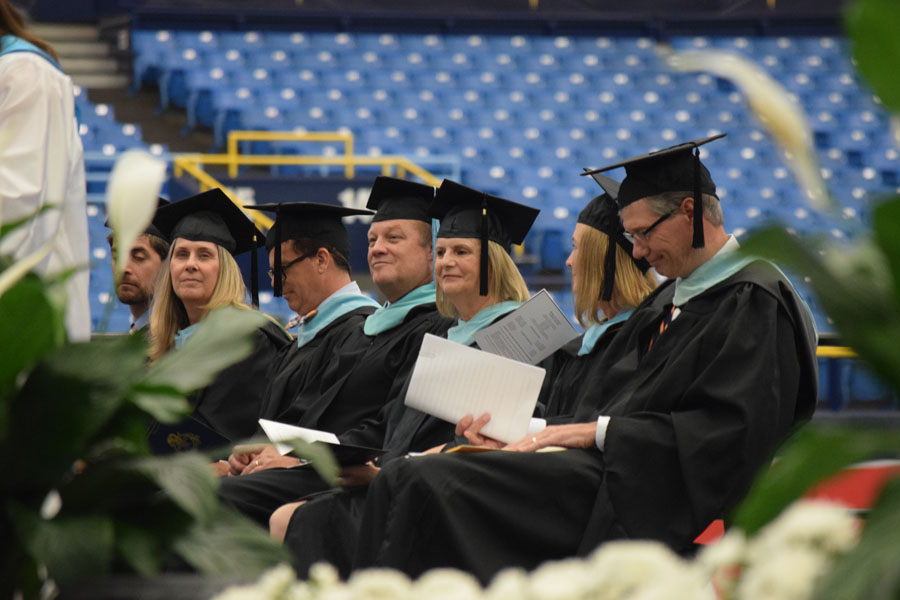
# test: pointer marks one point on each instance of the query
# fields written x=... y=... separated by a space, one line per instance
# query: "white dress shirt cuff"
x=600 y=435
x=536 y=425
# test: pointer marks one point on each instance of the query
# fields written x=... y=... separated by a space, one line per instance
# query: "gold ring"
x=257 y=462
x=534 y=440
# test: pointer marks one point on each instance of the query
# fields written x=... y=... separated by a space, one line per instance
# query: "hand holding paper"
x=451 y=381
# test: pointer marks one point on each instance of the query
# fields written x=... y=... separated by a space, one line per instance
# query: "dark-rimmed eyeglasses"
x=286 y=266
x=644 y=234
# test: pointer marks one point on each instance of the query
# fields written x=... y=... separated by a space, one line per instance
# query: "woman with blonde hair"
x=607 y=284
x=199 y=275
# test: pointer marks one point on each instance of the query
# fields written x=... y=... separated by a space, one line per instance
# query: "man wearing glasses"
x=694 y=394
x=351 y=374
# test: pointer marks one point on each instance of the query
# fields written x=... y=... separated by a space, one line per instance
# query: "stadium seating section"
x=521 y=115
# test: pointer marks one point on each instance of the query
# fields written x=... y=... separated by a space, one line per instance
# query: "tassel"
x=276 y=284
x=609 y=271
x=483 y=289
x=698 y=203
x=254 y=272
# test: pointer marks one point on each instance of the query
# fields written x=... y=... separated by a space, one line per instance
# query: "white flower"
x=819 y=526
x=375 y=584
x=787 y=573
x=323 y=575
x=686 y=584
x=726 y=551
x=275 y=582
x=619 y=568
x=131 y=198
x=446 y=584
x=508 y=583
x=562 y=580
x=779 y=113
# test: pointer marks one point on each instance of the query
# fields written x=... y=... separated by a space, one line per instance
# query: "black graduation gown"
x=360 y=379
x=296 y=368
x=326 y=527
x=692 y=420
x=226 y=410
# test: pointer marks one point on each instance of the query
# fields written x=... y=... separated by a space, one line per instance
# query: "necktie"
x=663 y=325
x=132 y=328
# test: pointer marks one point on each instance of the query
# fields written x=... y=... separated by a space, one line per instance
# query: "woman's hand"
x=269 y=458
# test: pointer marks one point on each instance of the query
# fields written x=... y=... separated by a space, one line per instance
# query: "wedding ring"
x=534 y=440
x=257 y=462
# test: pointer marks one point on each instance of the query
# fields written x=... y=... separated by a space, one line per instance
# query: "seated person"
x=200 y=274
x=146 y=256
x=696 y=391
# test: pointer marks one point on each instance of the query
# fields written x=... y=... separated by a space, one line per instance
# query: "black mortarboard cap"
x=211 y=216
x=468 y=213
x=394 y=198
x=152 y=228
x=602 y=214
x=674 y=169
x=311 y=220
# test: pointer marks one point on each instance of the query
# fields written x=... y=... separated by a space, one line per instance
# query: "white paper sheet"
x=451 y=380
x=530 y=333
x=281 y=432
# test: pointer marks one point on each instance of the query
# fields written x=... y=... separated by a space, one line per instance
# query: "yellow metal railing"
x=193 y=164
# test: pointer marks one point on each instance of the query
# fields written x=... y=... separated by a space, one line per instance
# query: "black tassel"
x=483 y=289
x=698 y=203
x=276 y=284
x=609 y=271
x=254 y=272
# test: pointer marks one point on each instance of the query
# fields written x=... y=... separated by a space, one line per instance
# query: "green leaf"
x=886 y=218
x=139 y=548
x=187 y=479
x=873 y=26
x=230 y=544
x=163 y=404
x=225 y=336
x=320 y=458
x=72 y=548
x=67 y=399
x=852 y=285
x=872 y=569
x=31 y=326
x=811 y=456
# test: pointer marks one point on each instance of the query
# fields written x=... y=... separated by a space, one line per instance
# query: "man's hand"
x=575 y=435
x=357 y=475
x=221 y=468
x=269 y=458
x=471 y=429
x=238 y=462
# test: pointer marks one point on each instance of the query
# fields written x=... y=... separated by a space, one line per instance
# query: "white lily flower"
x=770 y=102
x=131 y=197
x=17 y=271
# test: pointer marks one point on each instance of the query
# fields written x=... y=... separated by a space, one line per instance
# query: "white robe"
x=41 y=163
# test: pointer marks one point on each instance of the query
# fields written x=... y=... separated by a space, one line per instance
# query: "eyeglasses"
x=644 y=234
x=286 y=266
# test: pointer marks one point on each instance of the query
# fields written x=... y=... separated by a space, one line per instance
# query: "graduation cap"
x=152 y=228
x=674 y=169
x=298 y=220
x=602 y=214
x=212 y=217
x=400 y=199
x=468 y=213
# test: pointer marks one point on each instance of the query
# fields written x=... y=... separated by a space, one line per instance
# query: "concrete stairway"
x=82 y=54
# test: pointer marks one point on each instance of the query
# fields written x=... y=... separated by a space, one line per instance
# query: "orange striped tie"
x=663 y=325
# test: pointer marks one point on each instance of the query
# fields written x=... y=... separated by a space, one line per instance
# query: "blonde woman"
x=607 y=284
x=199 y=275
